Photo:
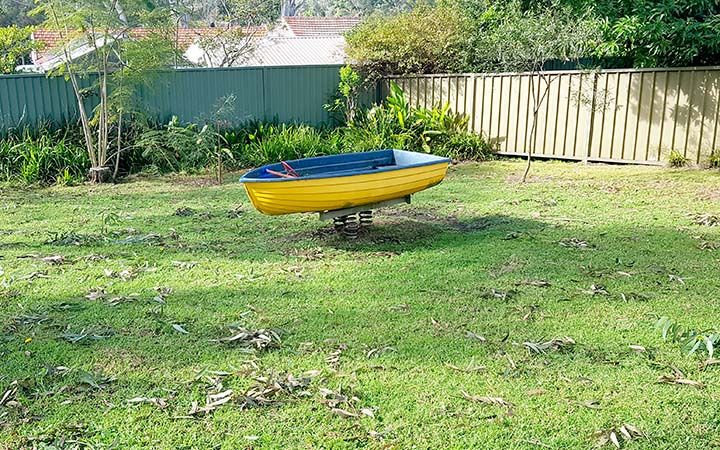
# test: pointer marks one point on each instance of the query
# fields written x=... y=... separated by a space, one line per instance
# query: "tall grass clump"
x=272 y=143
x=43 y=157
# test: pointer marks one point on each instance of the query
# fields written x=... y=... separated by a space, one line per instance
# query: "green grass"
x=407 y=292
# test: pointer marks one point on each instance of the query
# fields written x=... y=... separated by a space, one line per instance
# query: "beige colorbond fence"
x=627 y=115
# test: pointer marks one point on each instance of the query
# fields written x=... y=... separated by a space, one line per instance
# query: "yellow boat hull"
x=328 y=194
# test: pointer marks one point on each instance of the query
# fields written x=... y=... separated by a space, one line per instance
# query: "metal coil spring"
x=366 y=218
x=351 y=226
x=339 y=223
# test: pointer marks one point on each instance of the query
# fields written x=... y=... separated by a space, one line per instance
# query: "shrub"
x=714 y=160
x=285 y=142
x=397 y=125
x=176 y=147
x=677 y=159
x=466 y=146
x=43 y=157
x=427 y=39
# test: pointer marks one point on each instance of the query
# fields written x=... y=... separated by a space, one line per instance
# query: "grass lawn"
x=437 y=299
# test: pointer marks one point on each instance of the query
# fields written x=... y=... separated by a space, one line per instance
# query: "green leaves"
x=690 y=340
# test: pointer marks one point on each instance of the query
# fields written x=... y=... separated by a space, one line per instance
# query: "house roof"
x=320 y=26
x=52 y=39
x=298 y=51
x=296 y=41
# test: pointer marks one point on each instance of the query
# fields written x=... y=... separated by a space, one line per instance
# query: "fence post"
x=592 y=117
x=474 y=102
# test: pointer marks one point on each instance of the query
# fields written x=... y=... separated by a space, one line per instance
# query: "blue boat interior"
x=345 y=164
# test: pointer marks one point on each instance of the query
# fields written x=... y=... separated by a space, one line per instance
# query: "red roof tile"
x=320 y=26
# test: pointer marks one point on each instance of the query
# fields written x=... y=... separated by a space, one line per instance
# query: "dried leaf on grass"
x=261 y=339
x=705 y=219
x=474 y=336
x=124 y=275
x=34 y=276
x=470 y=368
x=677 y=377
x=498 y=294
x=344 y=404
x=333 y=358
x=378 y=351
x=184 y=265
x=493 y=401
x=119 y=300
x=307 y=254
x=575 y=243
x=158 y=402
x=235 y=213
x=95 y=294
x=616 y=436
x=591 y=404
x=212 y=402
x=179 y=328
x=54 y=260
x=270 y=390
x=596 y=289
x=553 y=344
x=9 y=395
x=28 y=319
x=710 y=362
x=534 y=283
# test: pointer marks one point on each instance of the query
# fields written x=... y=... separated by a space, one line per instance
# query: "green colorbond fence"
x=288 y=94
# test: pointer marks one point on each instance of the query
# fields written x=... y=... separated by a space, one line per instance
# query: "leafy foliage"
x=714 y=160
x=15 y=47
x=479 y=35
x=43 y=157
x=395 y=124
x=691 y=340
x=344 y=104
x=677 y=159
x=177 y=147
x=425 y=40
x=664 y=33
x=282 y=142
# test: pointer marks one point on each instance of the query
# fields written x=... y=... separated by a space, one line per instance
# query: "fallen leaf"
x=343 y=413
x=493 y=401
x=678 y=378
x=553 y=344
x=155 y=401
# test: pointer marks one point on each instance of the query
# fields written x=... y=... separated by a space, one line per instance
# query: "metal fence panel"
x=623 y=115
x=290 y=94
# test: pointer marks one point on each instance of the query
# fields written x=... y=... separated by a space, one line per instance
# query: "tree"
x=15 y=47
x=424 y=40
x=510 y=39
x=15 y=12
x=97 y=41
x=664 y=33
x=227 y=46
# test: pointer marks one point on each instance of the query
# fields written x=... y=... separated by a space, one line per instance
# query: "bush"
x=424 y=40
x=176 y=147
x=43 y=157
x=397 y=125
x=677 y=159
x=714 y=160
x=285 y=142
x=466 y=147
